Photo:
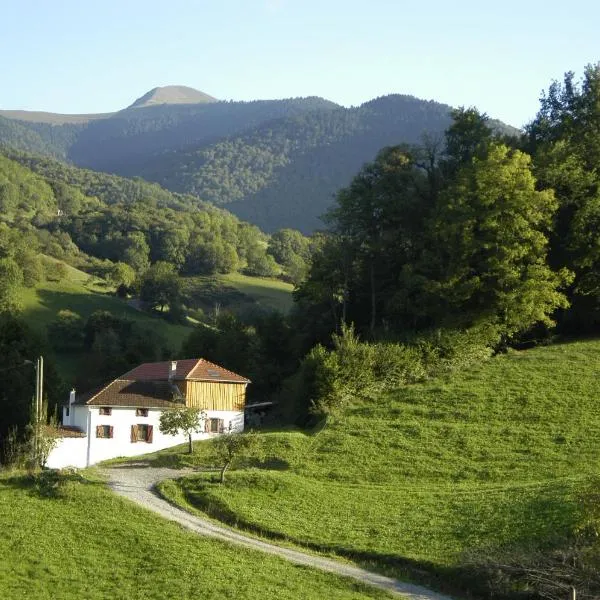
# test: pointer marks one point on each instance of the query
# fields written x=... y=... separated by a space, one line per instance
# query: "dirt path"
x=136 y=482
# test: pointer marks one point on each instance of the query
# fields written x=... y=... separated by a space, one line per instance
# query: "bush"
x=330 y=379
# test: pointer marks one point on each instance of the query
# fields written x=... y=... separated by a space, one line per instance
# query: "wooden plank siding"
x=209 y=395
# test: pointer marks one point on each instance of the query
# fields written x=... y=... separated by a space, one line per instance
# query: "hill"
x=69 y=537
x=429 y=477
x=172 y=94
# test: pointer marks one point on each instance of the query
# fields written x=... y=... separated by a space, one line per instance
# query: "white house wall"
x=69 y=452
x=91 y=450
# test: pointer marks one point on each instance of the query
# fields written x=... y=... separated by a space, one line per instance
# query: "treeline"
x=481 y=230
x=274 y=163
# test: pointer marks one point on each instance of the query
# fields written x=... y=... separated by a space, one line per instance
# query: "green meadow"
x=79 y=540
x=418 y=481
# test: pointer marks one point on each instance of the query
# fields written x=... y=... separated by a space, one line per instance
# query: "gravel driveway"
x=137 y=482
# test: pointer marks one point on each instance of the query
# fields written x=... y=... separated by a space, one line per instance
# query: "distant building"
x=122 y=418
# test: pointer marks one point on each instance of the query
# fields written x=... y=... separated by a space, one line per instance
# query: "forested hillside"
x=112 y=218
x=275 y=163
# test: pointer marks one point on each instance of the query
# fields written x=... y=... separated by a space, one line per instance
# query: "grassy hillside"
x=84 y=294
x=426 y=476
x=269 y=293
x=81 y=541
x=237 y=293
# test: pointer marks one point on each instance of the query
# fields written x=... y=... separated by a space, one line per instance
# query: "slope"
x=427 y=477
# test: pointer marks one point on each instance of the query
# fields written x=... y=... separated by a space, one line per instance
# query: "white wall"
x=69 y=452
x=91 y=450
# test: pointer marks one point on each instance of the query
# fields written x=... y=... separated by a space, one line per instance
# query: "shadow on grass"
x=48 y=483
x=542 y=521
x=405 y=569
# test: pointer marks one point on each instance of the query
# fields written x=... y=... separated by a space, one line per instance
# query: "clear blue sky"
x=96 y=56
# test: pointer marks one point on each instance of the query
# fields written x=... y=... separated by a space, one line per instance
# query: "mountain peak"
x=172 y=94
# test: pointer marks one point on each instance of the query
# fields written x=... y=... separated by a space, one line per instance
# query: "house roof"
x=142 y=394
x=198 y=369
x=148 y=385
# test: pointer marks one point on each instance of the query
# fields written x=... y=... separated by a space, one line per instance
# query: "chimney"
x=172 y=370
x=67 y=410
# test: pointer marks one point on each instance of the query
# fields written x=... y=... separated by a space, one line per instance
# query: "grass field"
x=237 y=293
x=85 y=542
x=425 y=476
x=270 y=293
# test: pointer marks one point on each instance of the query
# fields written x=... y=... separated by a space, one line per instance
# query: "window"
x=141 y=412
x=104 y=431
x=214 y=426
x=67 y=411
x=106 y=411
x=141 y=433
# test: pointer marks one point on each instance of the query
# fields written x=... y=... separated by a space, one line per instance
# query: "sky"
x=89 y=56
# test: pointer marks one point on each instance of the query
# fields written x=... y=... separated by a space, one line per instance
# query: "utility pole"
x=39 y=394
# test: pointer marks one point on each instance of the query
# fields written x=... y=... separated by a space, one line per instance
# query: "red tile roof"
x=197 y=369
x=141 y=394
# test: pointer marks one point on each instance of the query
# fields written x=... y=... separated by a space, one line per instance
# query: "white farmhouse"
x=122 y=418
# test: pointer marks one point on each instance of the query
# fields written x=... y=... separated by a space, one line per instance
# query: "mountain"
x=284 y=173
x=276 y=163
x=172 y=94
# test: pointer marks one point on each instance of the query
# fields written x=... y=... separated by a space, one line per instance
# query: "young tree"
x=182 y=420
x=230 y=448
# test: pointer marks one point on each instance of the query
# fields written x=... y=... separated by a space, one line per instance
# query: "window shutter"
x=221 y=427
x=133 y=434
x=206 y=425
x=150 y=434
x=99 y=431
x=110 y=432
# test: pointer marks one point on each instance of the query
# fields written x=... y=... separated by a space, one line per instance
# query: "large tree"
x=491 y=229
x=160 y=286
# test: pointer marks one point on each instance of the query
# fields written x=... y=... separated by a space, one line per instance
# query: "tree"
x=66 y=331
x=492 y=225
x=11 y=278
x=121 y=274
x=379 y=221
x=137 y=251
x=564 y=140
x=160 y=285
x=468 y=135
x=230 y=448
x=182 y=420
